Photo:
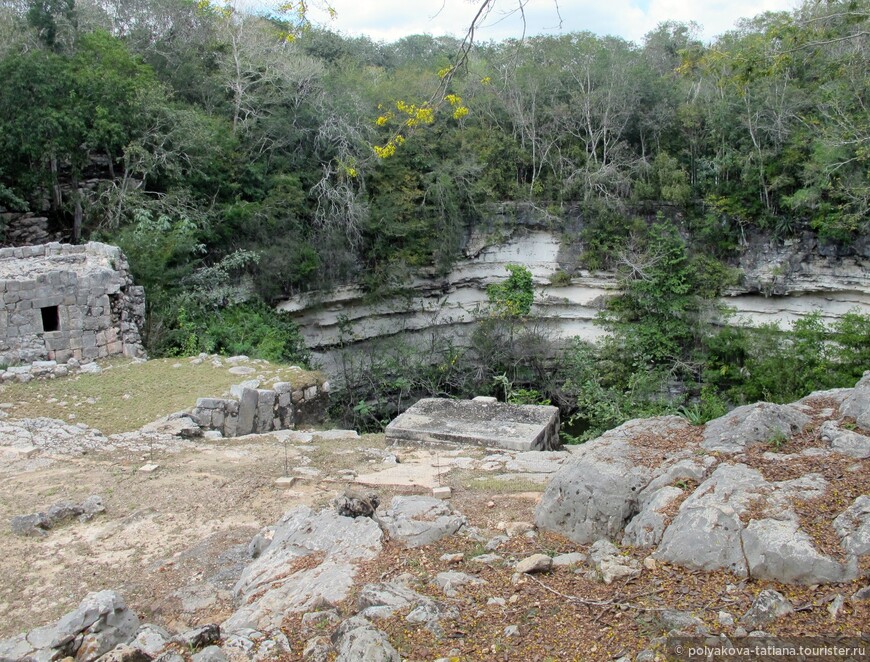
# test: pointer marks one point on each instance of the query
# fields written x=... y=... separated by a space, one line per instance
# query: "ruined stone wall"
x=61 y=302
x=257 y=410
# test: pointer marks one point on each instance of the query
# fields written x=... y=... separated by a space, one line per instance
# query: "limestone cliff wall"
x=781 y=282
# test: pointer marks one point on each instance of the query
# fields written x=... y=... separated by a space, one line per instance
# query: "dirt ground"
x=173 y=542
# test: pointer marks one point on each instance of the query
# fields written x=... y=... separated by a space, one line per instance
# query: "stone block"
x=265 y=410
x=442 y=492
x=247 y=412
x=499 y=425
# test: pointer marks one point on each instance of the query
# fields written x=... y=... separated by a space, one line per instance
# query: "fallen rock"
x=608 y=564
x=449 y=582
x=418 y=520
x=101 y=622
x=535 y=563
x=569 y=559
x=200 y=637
x=357 y=640
x=91 y=507
x=151 y=639
x=63 y=511
x=768 y=606
x=752 y=424
x=33 y=525
x=673 y=621
x=356 y=503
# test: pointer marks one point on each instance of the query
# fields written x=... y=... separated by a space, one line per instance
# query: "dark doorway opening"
x=50 y=319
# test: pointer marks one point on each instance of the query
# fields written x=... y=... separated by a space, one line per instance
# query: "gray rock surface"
x=101 y=622
x=853 y=527
x=608 y=565
x=780 y=550
x=705 y=534
x=209 y=654
x=32 y=525
x=768 y=606
x=752 y=424
x=595 y=493
x=200 y=637
x=317 y=649
x=357 y=503
x=418 y=520
x=845 y=442
x=265 y=589
x=151 y=639
x=357 y=640
x=648 y=526
x=535 y=563
x=857 y=403
x=449 y=582
x=569 y=559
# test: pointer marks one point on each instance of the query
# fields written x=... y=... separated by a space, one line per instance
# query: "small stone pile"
x=38 y=524
x=47 y=370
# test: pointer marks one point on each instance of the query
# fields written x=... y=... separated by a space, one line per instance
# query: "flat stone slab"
x=491 y=424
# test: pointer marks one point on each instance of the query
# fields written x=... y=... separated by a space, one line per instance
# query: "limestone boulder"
x=419 y=520
x=100 y=623
x=752 y=424
x=357 y=640
x=596 y=492
x=845 y=442
x=857 y=403
x=271 y=586
x=768 y=606
x=608 y=565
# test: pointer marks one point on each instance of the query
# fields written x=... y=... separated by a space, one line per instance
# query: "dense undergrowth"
x=238 y=158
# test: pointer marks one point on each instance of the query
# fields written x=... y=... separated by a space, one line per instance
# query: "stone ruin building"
x=62 y=302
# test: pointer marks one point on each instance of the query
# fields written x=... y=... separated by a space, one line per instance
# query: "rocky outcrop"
x=100 y=623
x=710 y=501
x=782 y=281
x=752 y=424
x=310 y=561
x=418 y=520
x=598 y=492
x=37 y=524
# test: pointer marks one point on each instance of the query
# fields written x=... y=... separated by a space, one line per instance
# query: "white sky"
x=388 y=20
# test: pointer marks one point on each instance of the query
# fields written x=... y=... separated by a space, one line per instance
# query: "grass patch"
x=501 y=486
x=126 y=394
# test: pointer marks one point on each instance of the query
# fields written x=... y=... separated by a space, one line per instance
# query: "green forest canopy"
x=238 y=158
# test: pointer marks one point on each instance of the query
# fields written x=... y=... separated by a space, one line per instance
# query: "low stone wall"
x=47 y=370
x=259 y=410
